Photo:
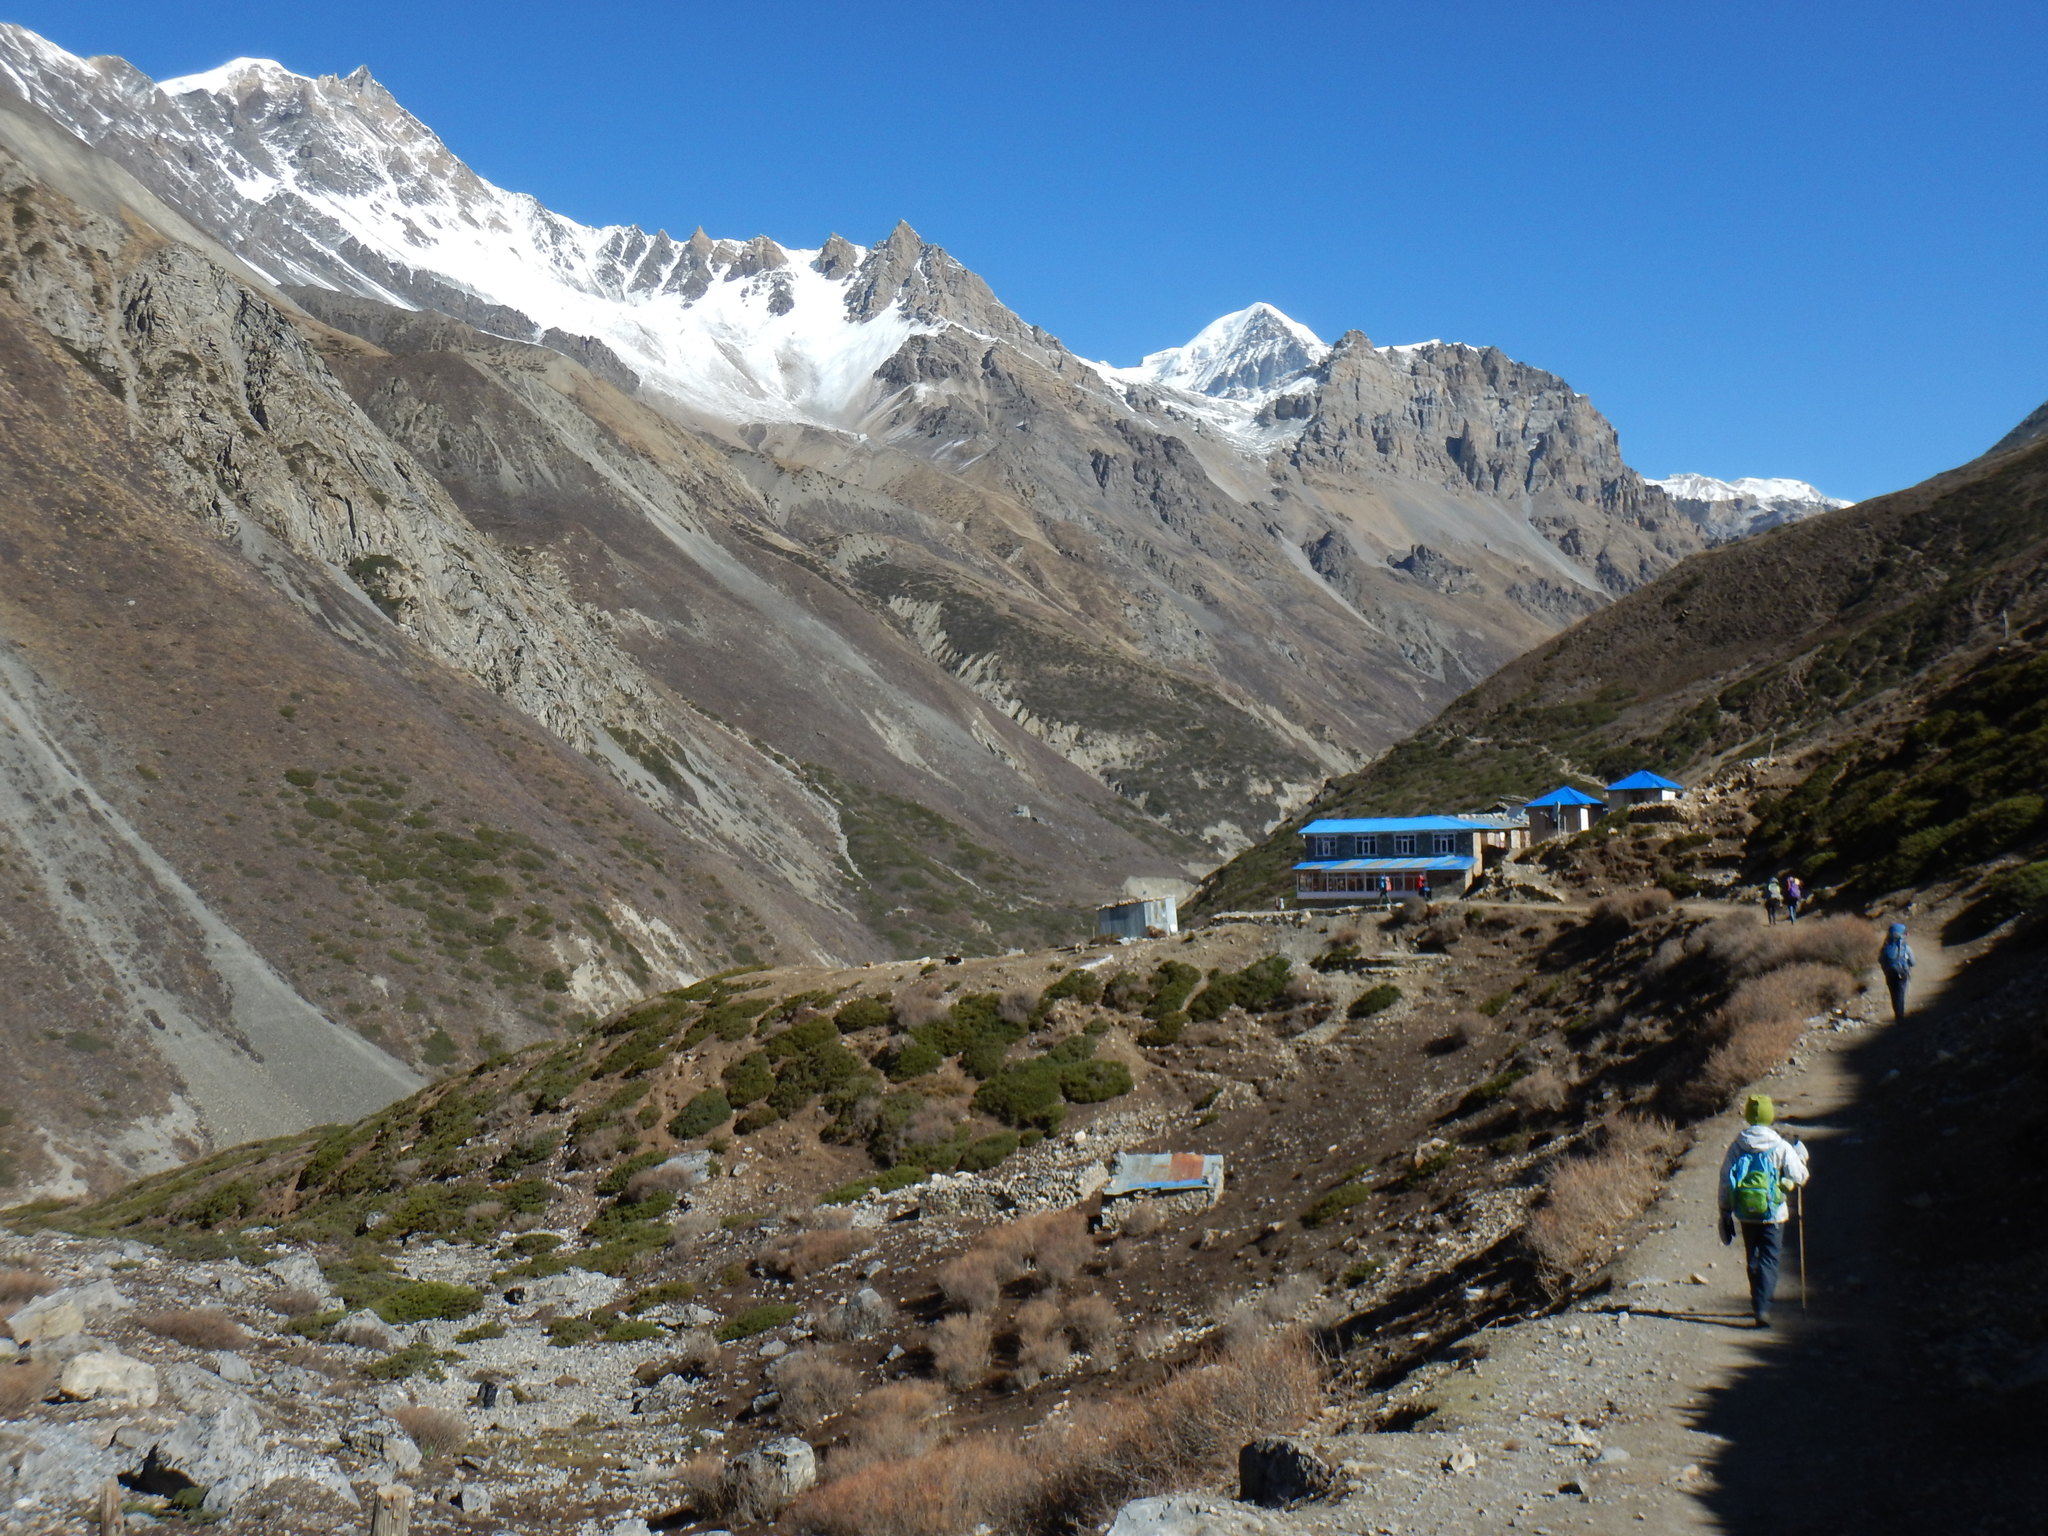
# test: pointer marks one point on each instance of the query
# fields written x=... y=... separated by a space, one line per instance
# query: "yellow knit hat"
x=1759 y=1110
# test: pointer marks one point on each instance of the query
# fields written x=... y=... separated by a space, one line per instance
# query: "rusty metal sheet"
x=1164 y=1171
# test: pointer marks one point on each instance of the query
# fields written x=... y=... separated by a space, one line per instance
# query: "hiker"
x=1774 y=899
x=1895 y=959
x=1760 y=1167
x=1422 y=887
x=1795 y=893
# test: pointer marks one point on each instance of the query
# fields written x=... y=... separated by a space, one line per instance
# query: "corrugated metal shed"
x=1132 y=919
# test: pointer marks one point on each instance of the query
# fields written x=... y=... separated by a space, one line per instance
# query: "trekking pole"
x=1799 y=1216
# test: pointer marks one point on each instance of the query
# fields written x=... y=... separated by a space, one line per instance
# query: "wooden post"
x=112 y=1521
x=391 y=1512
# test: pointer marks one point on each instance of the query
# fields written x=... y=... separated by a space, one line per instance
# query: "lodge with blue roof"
x=1360 y=859
x=1357 y=860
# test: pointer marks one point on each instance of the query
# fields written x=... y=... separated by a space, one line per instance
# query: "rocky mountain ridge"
x=608 y=613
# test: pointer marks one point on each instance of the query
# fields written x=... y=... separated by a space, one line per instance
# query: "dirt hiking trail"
x=1656 y=1405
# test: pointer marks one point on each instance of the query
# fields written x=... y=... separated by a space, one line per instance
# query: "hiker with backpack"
x=1795 y=893
x=1774 y=899
x=1761 y=1168
x=1895 y=959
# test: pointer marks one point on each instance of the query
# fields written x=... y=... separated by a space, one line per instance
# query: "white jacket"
x=1791 y=1160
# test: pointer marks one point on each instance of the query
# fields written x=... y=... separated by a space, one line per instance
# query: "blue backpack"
x=1753 y=1189
x=1896 y=958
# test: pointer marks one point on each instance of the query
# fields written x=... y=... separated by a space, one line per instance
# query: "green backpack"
x=1753 y=1189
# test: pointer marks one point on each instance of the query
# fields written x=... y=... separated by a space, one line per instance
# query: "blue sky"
x=1767 y=239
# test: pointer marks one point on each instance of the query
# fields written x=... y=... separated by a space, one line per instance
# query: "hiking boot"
x=1763 y=1319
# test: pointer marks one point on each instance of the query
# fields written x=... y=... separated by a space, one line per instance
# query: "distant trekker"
x=1795 y=893
x=1896 y=961
x=1774 y=899
x=1761 y=1168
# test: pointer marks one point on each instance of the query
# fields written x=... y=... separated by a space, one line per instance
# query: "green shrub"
x=536 y=1242
x=567 y=1332
x=749 y=1080
x=480 y=1333
x=630 y=1330
x=1173 y=983
x=988 y=1151
x=1361 y=1271
x=702 y=1115
x=414 y=1360
x=1374 y=1000
x=915 y=1059
x=662 y=1295
x=1255 y=988
x=1335 y=1202
x=2021 y=889
x=1091 y=1082
x=1024 y=1093
x=1083 y=986
x=865 y=1013
x=418 y=1300
x=756 y=1320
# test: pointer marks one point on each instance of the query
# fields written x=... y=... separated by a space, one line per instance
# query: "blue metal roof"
x=1391 y=866
x=1564 y=794
x=1644 y=779
x=1398 y=824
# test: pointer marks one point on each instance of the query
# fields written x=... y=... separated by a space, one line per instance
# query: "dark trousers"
x=1898 y=986
x=1763 y=1242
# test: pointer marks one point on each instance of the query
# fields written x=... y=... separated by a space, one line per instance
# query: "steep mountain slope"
x=1383 y=501
x=313 y=783
x=586 y=610
x=1843 y=623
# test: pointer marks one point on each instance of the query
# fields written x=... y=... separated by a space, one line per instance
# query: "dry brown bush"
x=1060 y=1245
x=1018 y=1005
x=1744 y=946
x=18 y=1286
x=199 y=1327
x=890 y=1423
x=920 y=1003
x=600 y=1144
x=814 y=1387
x=292 y=1301
x=982 y=1481
x=23 y=1385
x=1091 y=1321
x=803 y=1254
x=960 y=1349
x=973 y=1281
x=693 y=1354
x=1042 y=1348
x=660 y=1179
x=1591 y=1199
x=436 y=1431
x=1142 y=1221
x=1626 y=909
x=1542 y=1092
x=1751 y=1051
x=1799 y=990
x=1112 y=1452
x=365 y=1331
x=690 y=1229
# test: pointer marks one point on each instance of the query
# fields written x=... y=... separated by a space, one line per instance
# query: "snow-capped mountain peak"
x=1238 y=356
x=1731 y=509
x=328 y=182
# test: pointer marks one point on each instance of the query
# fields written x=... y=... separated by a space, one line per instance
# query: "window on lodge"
x=1368 y=847
x=1404 y=846
x=1322 y=847
x=1443 y=842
